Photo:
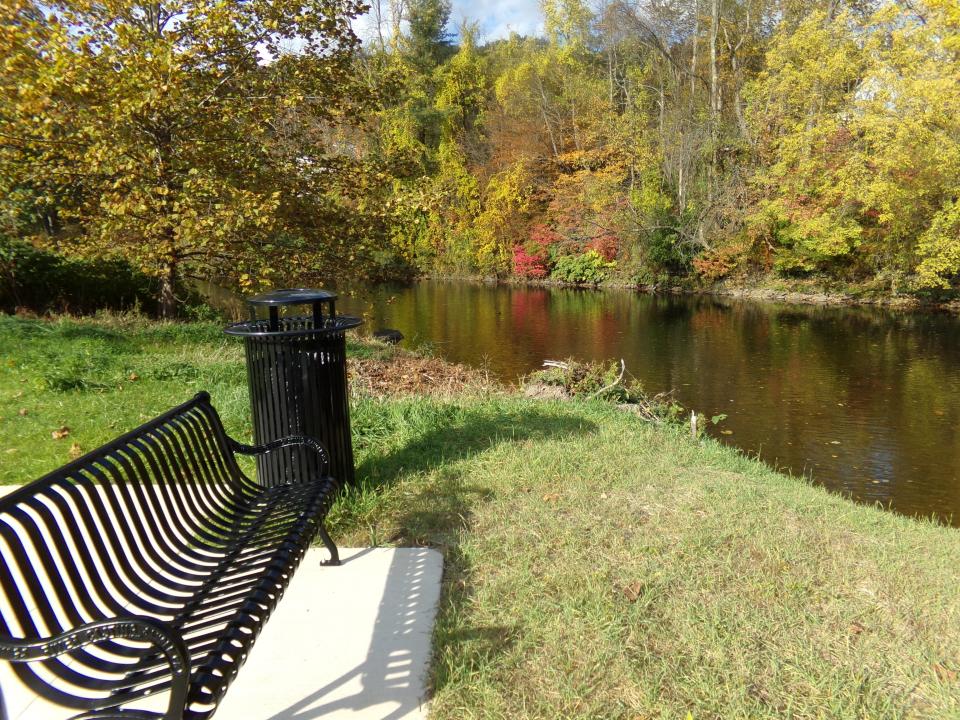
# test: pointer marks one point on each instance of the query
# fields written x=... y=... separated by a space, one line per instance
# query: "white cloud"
x=497 y=18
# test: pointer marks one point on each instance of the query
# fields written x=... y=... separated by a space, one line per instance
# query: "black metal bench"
x=150 y=565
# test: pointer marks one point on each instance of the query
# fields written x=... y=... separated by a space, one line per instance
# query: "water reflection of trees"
x=793 y=380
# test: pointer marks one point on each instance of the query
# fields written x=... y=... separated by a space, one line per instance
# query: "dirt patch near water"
x=407 y=374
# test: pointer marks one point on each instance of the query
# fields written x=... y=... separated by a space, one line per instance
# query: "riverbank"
x=760 y=289
x=817 y=292
x=597 y=565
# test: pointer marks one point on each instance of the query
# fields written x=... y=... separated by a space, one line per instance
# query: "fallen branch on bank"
x=601 y=391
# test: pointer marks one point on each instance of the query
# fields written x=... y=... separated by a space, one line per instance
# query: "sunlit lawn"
x=596 y=566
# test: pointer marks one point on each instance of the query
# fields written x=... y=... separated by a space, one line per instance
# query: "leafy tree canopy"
x=191 y=137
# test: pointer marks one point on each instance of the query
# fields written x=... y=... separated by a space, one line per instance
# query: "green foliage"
x=665 y=251
x=803 y=139
x=462 y=91
x=427 y=43
x=857 y=120
x=401 y=144
x=939 y=248
x=505 y=215
x=42 y=281
x=586 y=268
x=606 y=381
x=583 y=379
x=819 y=140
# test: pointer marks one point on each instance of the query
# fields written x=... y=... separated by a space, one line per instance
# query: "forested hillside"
x=644 y=142
x=647 y=140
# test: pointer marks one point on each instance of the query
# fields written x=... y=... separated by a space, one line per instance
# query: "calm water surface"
x=864 y=401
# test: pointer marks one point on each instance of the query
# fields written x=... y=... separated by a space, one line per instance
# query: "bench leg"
x=330 y=545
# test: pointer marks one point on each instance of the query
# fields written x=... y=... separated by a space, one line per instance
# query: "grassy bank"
x=597 y=566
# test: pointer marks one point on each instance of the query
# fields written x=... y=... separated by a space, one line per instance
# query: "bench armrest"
x=132 y=627
x=289 y=441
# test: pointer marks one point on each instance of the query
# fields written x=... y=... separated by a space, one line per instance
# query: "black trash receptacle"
x=297 y=372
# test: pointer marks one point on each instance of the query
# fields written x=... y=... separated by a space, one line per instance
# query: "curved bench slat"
x=160 y=524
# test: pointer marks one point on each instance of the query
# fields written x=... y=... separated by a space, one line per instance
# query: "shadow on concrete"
x=442 y=511
x=393 y=679
x=390 y=683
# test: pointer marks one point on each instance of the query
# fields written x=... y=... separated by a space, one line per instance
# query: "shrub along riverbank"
x=597 y=565
x=760 y=288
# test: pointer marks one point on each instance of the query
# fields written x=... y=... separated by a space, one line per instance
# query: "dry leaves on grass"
x=944 y=674
x=60 y=433
x=633 y=591
x=408 y=374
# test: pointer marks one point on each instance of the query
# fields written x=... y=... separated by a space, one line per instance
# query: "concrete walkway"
x=345 y=642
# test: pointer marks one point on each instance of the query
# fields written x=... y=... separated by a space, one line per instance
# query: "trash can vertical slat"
x=297 y=375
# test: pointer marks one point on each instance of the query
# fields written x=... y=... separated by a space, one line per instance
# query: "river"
x=863 y=401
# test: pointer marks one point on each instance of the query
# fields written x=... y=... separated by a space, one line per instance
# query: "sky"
x=497 y=18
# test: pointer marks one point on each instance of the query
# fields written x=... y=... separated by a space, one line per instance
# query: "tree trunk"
x=693 y=54
x=738 y=108
x=378 y=17
x=397 y=8
x=576 y=129
x=661 y=116
x=714 y=70
x=546 y=119
x=714 y=96
x=737 y=77
x=686 y=124
x=168 y=301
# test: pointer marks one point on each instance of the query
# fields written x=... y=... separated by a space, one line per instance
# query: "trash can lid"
x=322 y=321
x=263 y=329
x=291 y=296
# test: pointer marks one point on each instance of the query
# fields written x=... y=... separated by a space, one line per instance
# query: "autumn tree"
x=427 y=42
x=858 y=124
x=190 y=137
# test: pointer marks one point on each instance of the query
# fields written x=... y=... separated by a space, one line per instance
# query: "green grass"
x=597 y=566
x=104 y=376
x=101 y=378
x=601 y=567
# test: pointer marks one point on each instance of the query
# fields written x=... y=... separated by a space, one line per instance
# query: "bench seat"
x=150 y=565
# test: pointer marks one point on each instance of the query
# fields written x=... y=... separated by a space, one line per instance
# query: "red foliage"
x=717 y=263
x=544 y=235
x=606 y=243
x=525 y=265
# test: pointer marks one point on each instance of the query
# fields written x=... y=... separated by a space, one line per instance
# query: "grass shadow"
x=438 y=508
x=439 y=435
x=451 y=433
x=108 y=336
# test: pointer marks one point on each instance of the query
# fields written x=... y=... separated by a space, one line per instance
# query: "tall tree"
x=858 y=120
x=428 y=42
x=187 y=136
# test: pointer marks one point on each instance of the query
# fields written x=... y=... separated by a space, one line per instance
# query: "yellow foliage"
x=939 y=248
x=858 y=121
x=167 y=142
x=506 y=204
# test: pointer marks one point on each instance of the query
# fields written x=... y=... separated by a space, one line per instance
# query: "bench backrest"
x=118 y=531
